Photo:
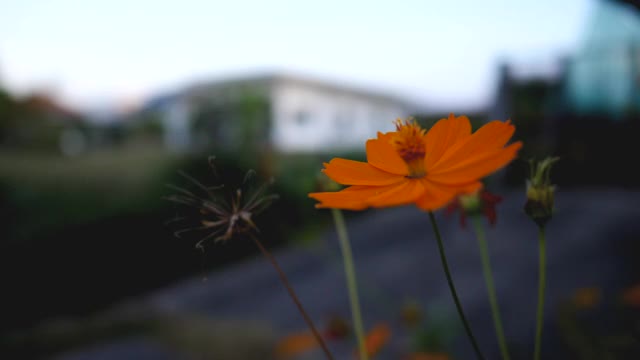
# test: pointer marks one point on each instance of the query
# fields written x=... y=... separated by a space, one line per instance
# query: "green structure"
x=604 y=76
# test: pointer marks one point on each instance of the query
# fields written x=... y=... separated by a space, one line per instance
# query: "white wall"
x=177 y=125
x=312 y=119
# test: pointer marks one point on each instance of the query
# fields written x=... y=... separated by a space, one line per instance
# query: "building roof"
x=268 y=79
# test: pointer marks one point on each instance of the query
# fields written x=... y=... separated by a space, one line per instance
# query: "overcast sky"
x=443 y=52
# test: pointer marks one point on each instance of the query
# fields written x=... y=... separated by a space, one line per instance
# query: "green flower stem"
x=541 y=287
x=294 y=297
x=488 y=278
x=454 y=294
x=350 y=273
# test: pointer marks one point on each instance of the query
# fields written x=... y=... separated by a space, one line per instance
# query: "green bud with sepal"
x=540 y=191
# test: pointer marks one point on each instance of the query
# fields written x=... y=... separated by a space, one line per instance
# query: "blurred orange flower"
x=413 y=166
x=337 y=328
x=631 y=296
x=586 y=298
x=376 y=339
x=411 y=314
x=428 y=356
x=295 y=344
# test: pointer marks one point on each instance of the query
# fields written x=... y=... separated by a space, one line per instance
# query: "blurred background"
x=103 y=103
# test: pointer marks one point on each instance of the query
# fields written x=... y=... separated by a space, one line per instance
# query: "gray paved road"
x=397 y=259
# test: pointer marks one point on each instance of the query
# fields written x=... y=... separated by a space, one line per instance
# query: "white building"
x=286 y=113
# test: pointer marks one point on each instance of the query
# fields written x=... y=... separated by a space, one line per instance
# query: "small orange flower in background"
x=413 y=166
x=428 y=356
x=411 y=314
x=586 y=298
x=631 y=296
x=338 y=328
x=295 y=344
x=376 y=339
x=300 y=342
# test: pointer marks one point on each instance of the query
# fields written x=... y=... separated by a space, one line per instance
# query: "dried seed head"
x=223 y=215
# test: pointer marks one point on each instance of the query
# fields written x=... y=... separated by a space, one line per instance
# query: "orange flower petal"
x=477 y=166
x=468 y=188
x=361 y=197
x=444 y=134
x=405 y=193
x=438 y=195
x=491 y=137
x=340 y=200
x=381 y=154
x=349 y=172
x=352 y=198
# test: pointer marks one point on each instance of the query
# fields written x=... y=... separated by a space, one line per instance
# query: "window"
x=302 y=118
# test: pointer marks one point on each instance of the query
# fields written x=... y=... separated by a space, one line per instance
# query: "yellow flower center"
x=408 y=141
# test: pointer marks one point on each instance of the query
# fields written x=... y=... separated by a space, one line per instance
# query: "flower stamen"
x=409 y=143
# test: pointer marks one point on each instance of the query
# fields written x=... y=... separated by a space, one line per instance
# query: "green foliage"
x=438 y=332
x=254 y=117
x=50 y=192
x=33 y=123
x=145 y=125
x=7 y=117
x=529 y=107
x=608 y=332
x=6 y=105
x=240 y=126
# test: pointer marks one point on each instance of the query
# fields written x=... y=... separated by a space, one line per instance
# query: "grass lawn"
x=41 y=192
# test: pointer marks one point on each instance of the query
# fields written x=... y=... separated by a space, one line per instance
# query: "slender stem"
x=541 y=287
x=488 y=278
x=454 y=294
x=352 y=286
x=294 y=297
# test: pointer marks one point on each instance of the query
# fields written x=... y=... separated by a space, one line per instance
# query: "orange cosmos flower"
x=376 y=339
x=295 y=344
x=586 y=298
x=631 y=296
x=413 y=166
x=428 y=356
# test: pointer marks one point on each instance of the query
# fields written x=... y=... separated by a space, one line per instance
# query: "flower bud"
x=478 y=203
x=540 y=192
x=324 y=183
x=471 y=203
x=338 y=328
x=411 y=314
